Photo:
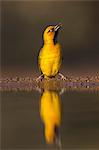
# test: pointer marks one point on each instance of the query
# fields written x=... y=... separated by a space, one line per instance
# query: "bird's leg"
x=39 y=78
x=62 y=76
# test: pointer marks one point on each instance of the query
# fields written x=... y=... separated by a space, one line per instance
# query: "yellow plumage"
x=50 y=111
x=50 y=55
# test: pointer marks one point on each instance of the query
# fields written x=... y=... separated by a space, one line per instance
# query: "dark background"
x=22 y=24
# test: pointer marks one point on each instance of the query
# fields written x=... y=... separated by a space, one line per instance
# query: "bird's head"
x=50 y=32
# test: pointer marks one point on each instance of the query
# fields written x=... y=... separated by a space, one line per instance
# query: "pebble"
x=28 y=83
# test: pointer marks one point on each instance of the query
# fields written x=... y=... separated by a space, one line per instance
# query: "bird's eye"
x=51 y=30
x=48 y=31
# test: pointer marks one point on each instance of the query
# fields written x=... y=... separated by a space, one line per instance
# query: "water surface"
x=76 y=114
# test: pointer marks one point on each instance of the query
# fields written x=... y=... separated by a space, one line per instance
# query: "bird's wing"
x=39 y=59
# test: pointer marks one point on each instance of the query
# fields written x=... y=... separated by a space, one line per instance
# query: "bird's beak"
x=57 y=26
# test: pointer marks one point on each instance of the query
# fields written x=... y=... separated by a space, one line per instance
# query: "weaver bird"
x=50 y=112
x=50 y=55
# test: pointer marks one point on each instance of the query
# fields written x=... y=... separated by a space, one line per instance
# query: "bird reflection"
x=50 y=112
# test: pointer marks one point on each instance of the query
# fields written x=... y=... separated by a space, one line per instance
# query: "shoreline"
x=29 y=83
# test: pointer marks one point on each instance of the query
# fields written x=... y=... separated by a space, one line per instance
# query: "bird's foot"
x=39 y=78
x=62 y=76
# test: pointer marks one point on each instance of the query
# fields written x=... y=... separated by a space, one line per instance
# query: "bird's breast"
x=50 y=51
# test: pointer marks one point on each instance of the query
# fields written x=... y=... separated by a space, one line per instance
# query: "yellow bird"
x=50 y=112
x=50 y=55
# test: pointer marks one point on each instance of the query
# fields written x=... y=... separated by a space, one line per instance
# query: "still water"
x=50 y=119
